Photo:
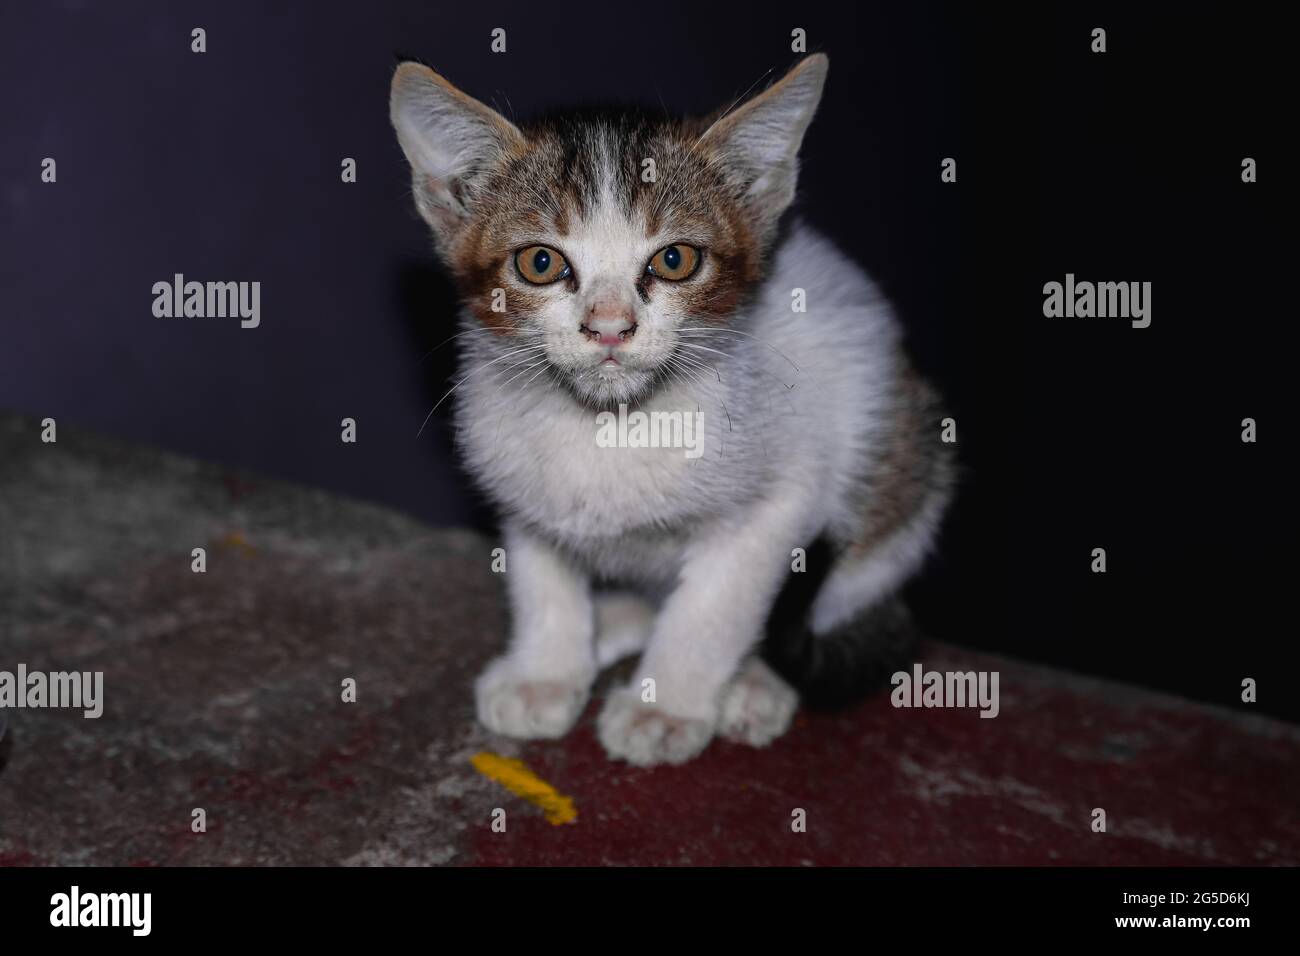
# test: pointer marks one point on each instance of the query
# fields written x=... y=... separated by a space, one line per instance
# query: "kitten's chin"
x=601 y=387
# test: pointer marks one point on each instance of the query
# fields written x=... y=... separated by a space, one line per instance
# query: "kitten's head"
x=602 y=236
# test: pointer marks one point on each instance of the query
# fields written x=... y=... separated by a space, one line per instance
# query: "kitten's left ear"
x=759 y=142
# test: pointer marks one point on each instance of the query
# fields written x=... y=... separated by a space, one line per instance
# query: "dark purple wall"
x=1074 y=434
x=225 y=165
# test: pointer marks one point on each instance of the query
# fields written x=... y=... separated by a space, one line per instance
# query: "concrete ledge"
x=222 y=691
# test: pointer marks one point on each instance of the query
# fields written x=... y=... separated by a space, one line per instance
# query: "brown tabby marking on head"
x=561 y=172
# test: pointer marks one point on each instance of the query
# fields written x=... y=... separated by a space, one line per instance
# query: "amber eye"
x=541 y=265
x=675 y=263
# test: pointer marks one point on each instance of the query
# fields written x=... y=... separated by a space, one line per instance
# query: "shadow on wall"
x=424 y=289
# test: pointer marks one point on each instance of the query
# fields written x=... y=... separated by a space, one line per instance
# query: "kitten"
x=618 y=262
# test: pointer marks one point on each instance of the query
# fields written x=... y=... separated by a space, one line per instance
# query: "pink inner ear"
x=440 y=195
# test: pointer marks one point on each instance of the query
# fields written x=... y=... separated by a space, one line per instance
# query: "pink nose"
x=609 y=329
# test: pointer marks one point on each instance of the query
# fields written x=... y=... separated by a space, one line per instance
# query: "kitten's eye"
x=675 y=263
x=541 y=265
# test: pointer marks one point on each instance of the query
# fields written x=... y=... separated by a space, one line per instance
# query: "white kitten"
x=618 y=266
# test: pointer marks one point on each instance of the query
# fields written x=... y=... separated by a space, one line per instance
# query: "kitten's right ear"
x=448 y=138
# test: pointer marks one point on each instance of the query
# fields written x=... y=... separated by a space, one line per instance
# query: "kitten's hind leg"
x=623 y=624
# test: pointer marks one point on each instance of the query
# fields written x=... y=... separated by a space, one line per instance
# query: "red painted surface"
x=1180 y=785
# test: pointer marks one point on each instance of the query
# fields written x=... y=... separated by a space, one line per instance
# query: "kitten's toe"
x=529 y=709
x=645 y=734
x=756 y=706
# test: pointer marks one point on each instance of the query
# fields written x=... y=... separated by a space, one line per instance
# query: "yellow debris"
x=515 y=776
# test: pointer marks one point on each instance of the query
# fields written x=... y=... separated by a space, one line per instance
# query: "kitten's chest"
x=588 y=474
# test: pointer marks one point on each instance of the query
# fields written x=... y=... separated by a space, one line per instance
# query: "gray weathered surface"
x=222 y=691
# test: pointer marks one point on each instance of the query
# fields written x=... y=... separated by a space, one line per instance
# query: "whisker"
x=517 y=374
x=762 y=342
x=540 y=371
x=480 y=368
x=532 y=332
x=695 y=363
x=785 y=386
x=702 y=348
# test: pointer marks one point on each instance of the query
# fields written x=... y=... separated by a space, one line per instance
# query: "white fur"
x=624 y=622
x=795 y=409
x=794 y=414
x=539 y=687
x=853 y=586
x=756 y=706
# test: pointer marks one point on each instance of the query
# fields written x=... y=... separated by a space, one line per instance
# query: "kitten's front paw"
x=514 y=706
x=756 y=706
x=645 y=734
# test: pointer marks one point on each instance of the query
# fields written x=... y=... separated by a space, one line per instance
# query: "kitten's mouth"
x=608 y=379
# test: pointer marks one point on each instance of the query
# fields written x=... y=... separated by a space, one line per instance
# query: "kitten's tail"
x=843 y=666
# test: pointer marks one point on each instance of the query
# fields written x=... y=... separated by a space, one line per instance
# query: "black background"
x=347 y=904
x=1074 y=433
